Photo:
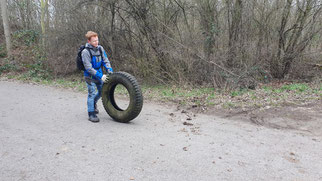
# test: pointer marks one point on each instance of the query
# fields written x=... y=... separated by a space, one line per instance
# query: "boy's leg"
x=91 y=96
x=99 y=91
x=91 y=101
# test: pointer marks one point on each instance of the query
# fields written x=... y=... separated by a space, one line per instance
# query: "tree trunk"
x=275 y=64
x=112 y=30
x=6 y=25
x=43 y=6
x=47 y=16
x=234 y=17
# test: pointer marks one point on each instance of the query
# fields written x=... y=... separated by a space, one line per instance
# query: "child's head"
x=92 y=38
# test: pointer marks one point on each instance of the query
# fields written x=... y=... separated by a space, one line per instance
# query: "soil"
x=305 y=118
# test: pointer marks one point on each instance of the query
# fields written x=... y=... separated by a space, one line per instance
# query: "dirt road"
x=45 y=135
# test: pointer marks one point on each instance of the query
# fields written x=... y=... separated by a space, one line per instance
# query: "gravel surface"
x=45 y=135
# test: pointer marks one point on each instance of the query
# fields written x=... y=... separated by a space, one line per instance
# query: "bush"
x=38 y=70
x=3 y=52
x=7 y=66
x=28 y=37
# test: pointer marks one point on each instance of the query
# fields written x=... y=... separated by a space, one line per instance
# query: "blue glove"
x=109 y=70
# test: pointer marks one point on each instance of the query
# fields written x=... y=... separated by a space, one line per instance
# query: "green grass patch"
x=295 y=87
x=238 y=92
x=262 y=97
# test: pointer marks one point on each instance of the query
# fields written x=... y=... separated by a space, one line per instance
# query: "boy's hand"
x=104 y=77
x=109 y=70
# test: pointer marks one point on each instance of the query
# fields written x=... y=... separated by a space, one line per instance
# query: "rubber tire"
x=134 y=90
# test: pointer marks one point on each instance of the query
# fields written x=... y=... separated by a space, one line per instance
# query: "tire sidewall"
x=108 y=98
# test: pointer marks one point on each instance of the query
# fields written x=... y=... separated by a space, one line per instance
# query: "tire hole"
x=121 y=97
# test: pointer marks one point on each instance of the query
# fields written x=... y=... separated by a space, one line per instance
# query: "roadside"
x=278 y=105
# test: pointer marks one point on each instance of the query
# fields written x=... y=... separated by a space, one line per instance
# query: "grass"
x=269 y=95
x=76 y=85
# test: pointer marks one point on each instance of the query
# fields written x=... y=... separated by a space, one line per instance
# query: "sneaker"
x=93 y=118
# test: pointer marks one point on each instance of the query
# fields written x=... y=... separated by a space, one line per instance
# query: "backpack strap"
x=89 y=51
x=101 y=52
x=99 y=48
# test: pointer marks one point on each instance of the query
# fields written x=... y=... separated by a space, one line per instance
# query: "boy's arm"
x=106 y=62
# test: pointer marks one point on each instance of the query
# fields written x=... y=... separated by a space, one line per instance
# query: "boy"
x=94 y=57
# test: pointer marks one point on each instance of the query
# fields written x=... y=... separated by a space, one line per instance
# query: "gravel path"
x=45 y=135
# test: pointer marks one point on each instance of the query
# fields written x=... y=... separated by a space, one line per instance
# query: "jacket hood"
x=91 y=47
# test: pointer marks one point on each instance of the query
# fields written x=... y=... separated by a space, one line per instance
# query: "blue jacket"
x=93 y=66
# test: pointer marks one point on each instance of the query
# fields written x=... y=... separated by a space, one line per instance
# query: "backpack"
x=79 y=61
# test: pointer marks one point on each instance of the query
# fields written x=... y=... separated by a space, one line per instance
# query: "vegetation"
x=226 y=53
x=265 y=96
x=216 y=43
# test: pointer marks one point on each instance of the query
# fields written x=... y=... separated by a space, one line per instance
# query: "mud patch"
x=306 y=118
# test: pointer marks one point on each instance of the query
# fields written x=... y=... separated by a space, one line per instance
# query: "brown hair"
x=90 y=34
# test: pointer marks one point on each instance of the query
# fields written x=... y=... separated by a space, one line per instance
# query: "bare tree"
x=183 y=41
x=6 y=25
x=44 y=10
x=294 y=38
